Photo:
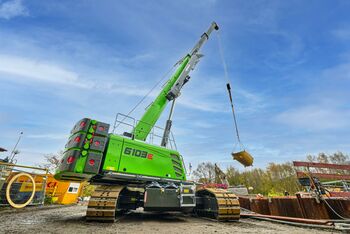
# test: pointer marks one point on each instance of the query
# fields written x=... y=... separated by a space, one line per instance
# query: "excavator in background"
x=220 y=180
x=131 y=173
x=220 y=176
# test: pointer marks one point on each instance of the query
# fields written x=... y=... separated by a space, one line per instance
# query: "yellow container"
x=244 y=158
x=64 y=192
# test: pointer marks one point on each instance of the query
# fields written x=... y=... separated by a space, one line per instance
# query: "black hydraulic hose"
x=336 y=213
x=322 y=198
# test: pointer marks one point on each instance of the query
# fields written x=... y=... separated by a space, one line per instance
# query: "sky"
x=288 y=64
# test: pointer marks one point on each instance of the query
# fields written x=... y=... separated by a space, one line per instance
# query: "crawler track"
x=103 y=204
x=218 y=204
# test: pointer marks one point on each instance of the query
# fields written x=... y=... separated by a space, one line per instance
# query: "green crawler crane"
x=131 y=173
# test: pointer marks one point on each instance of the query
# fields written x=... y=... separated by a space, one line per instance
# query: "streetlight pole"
x=13 y=153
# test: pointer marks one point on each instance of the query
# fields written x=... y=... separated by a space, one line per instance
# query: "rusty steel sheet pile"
x=298 y=207
x=285 y=206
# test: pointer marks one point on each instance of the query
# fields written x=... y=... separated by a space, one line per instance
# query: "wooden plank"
x=321 y=165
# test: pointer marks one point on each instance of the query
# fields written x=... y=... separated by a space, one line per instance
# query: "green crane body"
x=130 y=173
x=96 y=155
x=153 y=113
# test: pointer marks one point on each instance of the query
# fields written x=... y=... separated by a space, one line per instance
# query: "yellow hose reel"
x=8 y=197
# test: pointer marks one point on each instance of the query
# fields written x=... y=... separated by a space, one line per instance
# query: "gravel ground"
x=72 y=220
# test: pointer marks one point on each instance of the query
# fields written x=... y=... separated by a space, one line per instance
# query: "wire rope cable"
x=221 y=51
x=147 y=94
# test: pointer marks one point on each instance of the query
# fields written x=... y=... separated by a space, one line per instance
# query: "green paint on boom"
x=150 y=117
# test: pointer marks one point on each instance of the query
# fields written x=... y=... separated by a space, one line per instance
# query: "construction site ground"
x=71 y=219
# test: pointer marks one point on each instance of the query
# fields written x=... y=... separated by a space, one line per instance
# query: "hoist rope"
x=228 y=86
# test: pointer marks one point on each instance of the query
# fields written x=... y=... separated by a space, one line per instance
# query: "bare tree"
x=335 y=158
x=339 y=158
x=52 y=161
x=205 y=172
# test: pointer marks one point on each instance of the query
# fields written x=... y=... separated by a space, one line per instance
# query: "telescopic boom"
x=171 y=90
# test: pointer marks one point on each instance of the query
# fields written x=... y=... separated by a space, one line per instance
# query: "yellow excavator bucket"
x=244 y=158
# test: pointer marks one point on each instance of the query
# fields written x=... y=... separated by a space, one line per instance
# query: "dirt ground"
x=72 y=220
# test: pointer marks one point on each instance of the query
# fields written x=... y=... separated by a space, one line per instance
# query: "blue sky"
x=288 y=61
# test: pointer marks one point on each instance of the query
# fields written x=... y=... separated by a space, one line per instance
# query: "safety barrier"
x=22 y=185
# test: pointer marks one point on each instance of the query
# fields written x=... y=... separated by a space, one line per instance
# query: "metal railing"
x=124 y=125
x=20 y=190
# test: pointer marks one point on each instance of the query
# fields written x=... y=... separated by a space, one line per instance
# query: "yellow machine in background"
x=63 y=192
x=36 y=185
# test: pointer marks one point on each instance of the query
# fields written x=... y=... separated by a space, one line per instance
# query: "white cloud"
x=315 y=118
x=48 y=136
x=11 y=9
x=24 y=68
x=202 y=124
x=341 y=71
x=343 y=33
x=202 y=105
x=247 y=102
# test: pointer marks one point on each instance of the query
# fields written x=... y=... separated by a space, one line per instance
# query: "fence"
x=22 y=185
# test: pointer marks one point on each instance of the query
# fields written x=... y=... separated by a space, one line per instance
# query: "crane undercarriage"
x=109 y=201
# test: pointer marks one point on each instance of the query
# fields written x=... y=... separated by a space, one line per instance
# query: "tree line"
x=275 y=179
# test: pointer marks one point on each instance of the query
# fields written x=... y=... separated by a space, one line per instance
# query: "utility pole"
x=14 y=152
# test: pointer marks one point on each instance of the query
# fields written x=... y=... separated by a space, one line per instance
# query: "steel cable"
x=229 y=88
x=146 y=95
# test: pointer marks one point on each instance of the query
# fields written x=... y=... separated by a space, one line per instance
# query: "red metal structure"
x=331 y=176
